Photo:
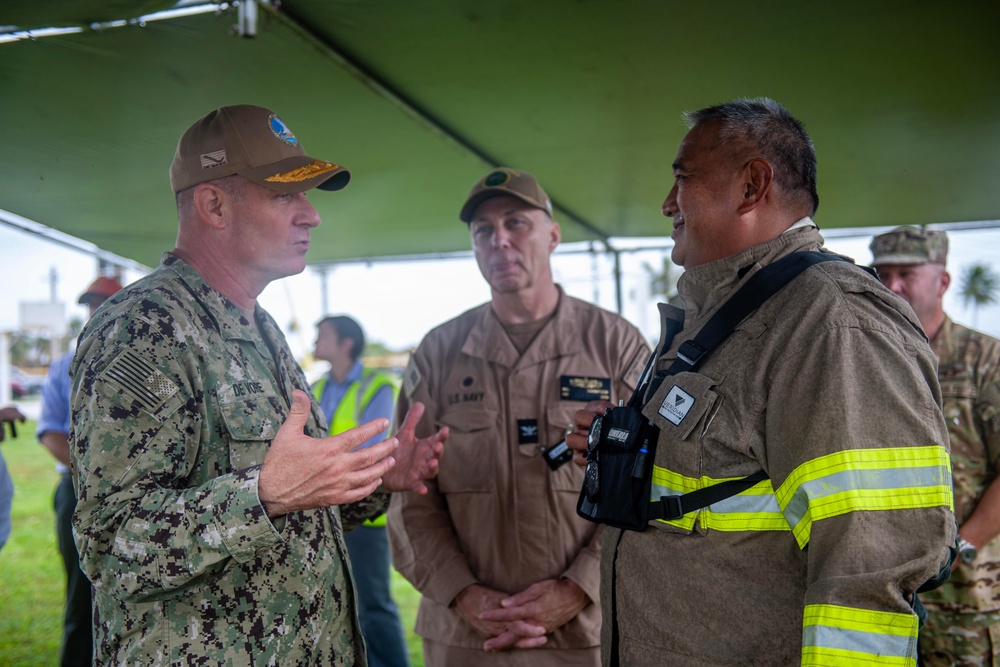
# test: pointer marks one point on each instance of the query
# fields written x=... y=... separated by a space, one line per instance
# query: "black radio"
x=616 y=484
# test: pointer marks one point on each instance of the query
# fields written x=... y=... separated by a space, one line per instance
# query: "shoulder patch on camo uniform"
x=140 y=380
x=411 y=377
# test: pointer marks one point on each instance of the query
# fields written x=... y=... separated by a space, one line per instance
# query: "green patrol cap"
x=506 y=182
x=910 y=245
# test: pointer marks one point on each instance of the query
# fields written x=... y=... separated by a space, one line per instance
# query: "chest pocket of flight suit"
x=251 y=422
x=469 y=463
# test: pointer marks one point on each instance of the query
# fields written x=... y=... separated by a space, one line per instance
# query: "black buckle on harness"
x=691 y=352
x=672 y=507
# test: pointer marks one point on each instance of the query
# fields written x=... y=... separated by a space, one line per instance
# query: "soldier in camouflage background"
x=963 y=626
x=211 y=508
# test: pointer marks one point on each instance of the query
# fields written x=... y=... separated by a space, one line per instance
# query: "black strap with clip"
x=759 y=288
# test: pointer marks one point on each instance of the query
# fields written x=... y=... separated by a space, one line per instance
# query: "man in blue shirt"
x=8 y=415
x=53 y=433
x=349 y=395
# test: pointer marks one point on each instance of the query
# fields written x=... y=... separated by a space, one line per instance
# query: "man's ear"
x=210 y=202
x=556 y=236
x=944 y=282
x=758 y=177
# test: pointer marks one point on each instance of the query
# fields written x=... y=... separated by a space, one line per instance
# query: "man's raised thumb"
x=298 y=414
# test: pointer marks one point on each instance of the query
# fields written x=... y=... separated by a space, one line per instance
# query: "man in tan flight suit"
x=963 y=621
x=496 y=547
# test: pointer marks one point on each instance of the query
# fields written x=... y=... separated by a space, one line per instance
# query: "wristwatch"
x=966 y=550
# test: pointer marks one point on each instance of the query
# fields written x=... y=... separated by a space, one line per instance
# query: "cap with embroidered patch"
x=256 y=144
x=503 y=182
x=910 y=245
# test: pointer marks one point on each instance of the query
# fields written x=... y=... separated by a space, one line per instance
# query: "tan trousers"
x=441 y=655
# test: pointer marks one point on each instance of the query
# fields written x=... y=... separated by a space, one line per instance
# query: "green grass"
x=32 y=583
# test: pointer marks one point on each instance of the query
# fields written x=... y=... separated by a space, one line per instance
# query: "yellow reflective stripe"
x=836 y=635
x=853 y=480
x=753 y=509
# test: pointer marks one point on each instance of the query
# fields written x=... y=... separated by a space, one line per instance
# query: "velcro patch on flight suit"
x=411 y=377
x=140 y=380
x=580 y=388
x=527 y=431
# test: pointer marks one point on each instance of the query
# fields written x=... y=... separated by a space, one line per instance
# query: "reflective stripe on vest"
x=834 y=635
x=753 y=509
x=853 y=480
x=349 y=411
x=892 y=478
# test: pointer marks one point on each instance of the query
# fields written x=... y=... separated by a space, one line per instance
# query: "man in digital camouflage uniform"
x=963 y=625
x=508 y=571
x=211 y=506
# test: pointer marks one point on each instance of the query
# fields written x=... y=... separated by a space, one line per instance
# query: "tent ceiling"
x=901 y=98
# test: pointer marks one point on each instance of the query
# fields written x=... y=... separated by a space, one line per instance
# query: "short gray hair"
x=234 y=185
x=762 y=125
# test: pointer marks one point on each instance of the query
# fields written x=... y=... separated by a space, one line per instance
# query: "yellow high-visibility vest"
x=352 y=406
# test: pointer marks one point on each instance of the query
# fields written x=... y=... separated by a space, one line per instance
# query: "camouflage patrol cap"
x=253 y=142
x=506 y=182
x=910 y=245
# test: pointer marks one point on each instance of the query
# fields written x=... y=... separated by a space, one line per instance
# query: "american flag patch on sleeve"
x=139 y=379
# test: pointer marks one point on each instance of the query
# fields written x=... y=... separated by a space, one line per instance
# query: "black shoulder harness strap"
x=762 y=286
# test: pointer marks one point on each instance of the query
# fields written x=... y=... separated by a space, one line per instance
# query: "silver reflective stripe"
x=751 y=503
x=757 y=503
x=875 y=643
x=853 y=480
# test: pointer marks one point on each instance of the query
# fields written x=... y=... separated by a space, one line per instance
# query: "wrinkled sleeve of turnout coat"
x=857 y=450
x=142 y=528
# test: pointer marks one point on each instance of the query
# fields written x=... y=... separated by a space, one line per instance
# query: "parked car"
x=24 y=384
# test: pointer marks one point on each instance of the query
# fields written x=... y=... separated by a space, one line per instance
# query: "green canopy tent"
x=420 y=98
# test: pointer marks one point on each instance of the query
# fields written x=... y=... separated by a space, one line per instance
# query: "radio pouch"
x=621 y=445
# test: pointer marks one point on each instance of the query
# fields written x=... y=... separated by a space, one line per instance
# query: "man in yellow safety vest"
x=349 y=395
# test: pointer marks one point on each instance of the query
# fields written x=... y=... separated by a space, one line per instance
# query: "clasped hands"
x=521 y=620
x=301 y=472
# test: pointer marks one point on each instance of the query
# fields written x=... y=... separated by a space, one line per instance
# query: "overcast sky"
x=398 y=302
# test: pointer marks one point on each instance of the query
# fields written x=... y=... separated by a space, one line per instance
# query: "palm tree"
x=979 y=288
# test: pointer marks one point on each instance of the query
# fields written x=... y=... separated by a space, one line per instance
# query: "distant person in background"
x=350 y=395
x=53 y=433
x=8 y=416
x=963 y=615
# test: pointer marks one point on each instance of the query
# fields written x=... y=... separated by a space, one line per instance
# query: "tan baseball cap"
x=256 y=144
x=910 y=245
x=506 y=182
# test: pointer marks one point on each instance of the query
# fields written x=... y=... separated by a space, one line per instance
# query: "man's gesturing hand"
x=417 y=458
x=300 y=472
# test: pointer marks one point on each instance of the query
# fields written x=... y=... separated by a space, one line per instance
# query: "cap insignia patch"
x=311 y=170
x=213 y=159
x=281 y=130
x=496 y=178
